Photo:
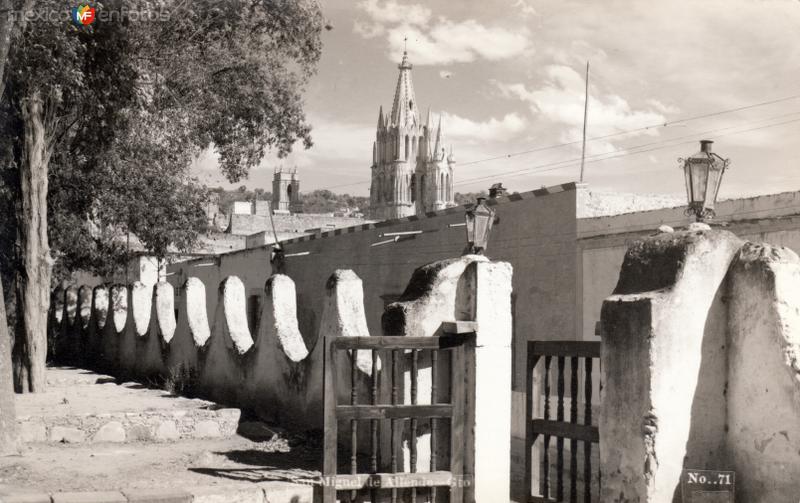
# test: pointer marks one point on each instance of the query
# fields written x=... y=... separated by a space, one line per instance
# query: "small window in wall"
x=413 y=188
x=253 y=313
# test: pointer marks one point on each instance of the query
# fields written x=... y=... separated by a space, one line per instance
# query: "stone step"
x=253 y=492
x=82 y=406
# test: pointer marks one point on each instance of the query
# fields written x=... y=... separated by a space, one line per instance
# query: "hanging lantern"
x=479 y=220
x=703 y=172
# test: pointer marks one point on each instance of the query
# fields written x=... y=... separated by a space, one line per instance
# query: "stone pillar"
x=662 y=327
x=764 y=374
x=469 y=288
x=492 y=304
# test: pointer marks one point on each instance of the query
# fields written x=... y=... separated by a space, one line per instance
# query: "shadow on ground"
x=298 y=468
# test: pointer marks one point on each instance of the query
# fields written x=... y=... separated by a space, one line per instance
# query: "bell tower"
x=394 y=151
x=286 y=192
x=411 y=171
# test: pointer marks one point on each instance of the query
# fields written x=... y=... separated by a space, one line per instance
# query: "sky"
x=508 y=78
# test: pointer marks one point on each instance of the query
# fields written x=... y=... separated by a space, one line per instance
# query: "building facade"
x=412 y=169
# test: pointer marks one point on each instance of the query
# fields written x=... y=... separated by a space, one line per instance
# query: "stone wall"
x=700 y=368
x=160 y=334
x=212 y=353
x=295 y=223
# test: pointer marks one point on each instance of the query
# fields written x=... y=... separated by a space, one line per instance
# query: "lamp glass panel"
x=470 y=219
x=687 y=173
x=481 y=229
x=699 y=180
x=714 y=175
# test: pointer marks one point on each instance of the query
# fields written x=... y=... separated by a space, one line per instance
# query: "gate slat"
x=394 y=412
x=374 y=423
x=434 y=425
x=327 y=488
x=353 y=422
x=457 y=424
x=413 y=439
x=573 y=418
x=546 y=453
x=395 y=433
x=581 y=349
x=531 y=365
x=563 y=429
x=560 y=440
x=587 y=420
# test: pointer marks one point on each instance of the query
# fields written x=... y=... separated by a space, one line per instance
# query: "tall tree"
x=96 y=110
x=12 y=20
x=48 y=72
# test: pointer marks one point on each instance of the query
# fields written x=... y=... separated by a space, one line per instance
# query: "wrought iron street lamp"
x=277 y=259
x=703 y=172
x=479 y=220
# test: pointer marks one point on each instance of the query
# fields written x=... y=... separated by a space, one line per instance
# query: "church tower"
x=286 y=192
x=411 y=171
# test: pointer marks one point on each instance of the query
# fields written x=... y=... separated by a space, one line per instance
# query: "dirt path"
x=99 y=467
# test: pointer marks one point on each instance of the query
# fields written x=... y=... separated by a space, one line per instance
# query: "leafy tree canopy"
x=129 y=102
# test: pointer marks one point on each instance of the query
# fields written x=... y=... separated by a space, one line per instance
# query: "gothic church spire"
x=404 y=107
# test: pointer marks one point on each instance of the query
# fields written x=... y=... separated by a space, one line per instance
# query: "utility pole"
x=585 y=113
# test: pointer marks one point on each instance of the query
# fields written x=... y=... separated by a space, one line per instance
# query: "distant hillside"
x=325 y=201
x=228 y=197
x=317 y=201
x=468 y=197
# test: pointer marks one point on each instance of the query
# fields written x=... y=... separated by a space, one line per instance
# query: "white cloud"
x=387 y=14
x=493 y=129
x=393 y=13
x=661 y=107
x=577 y=53
x=561 y=101
x=449 y=42
x=525 y=7
x=368 y=30
x=438 y=42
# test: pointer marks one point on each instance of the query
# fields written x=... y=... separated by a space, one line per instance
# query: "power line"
x=636 y=130
x=602 y=137
x=626 y=151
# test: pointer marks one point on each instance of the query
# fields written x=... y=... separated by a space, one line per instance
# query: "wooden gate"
x=450 y=423
x=544 y=426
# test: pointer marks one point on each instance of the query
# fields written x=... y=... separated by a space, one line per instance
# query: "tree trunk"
x=8 y=417
x=33 y=280
x=7 y=24
x=12 y=22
